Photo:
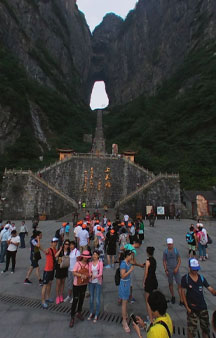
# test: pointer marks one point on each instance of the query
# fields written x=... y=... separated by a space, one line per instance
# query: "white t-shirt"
x=94 y=273
x=126 y=218
x=83 y=236
x=13 y=247
x=95 y=229
x=73 y=258
x=77 y=230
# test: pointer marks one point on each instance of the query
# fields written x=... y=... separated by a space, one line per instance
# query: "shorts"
x=192 y=322
x=124 y=289
x=70 y=280
x=34 y=263
x=177 y=277
x=48 y=277
x=192 y=247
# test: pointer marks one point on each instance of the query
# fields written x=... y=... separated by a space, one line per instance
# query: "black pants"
x=22 y=239
x=78 y=298
x=10 y=255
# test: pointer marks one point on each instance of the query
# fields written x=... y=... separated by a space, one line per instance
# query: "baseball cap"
x=55 y=239
x=169 y=241
x=194 y=264
x=64 y=224
x=122 y=224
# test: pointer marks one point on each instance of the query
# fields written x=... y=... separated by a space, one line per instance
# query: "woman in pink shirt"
x=95 y=283
x=81 y=279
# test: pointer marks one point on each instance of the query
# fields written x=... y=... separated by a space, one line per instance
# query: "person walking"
x=35 y=256
x=124 y=288
x=81 y=279
x=74 y=254
x=13 y=244
x=67 y=231
x=110 y=246
x=192 y=293
x=4 y=236
x=61 y=272
x=192 y=242
x=172 y=262
x=95 y=284
x=23 y=232
x=48 y=274
x=83 y=238
x=141 y=230
x=150 y=282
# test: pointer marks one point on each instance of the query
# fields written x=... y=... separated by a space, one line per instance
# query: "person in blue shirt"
x=192 y=294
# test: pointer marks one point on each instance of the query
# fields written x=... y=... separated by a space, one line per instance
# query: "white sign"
x=160 y=211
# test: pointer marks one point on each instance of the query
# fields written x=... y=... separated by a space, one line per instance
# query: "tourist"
x=126 y=219
x=131 y=229
x=62 y=271
x=23 y=232
x=172 y=262
x=214 y=320
x=162 y=326
x=77 y=229
x=123 y=238
x=81 y=279
x=35 y=256
x=110 y=247
x=150 y=280
x=83 y=238
x=192 y=293
x=4 y=236
x=13 y=244
x=202 y=240
x=141 y=230
x=192 y=242
x=48 y=274
x=124 y=288
x=67 y=230
x=12 y=227
x=74 y=254
x=95 y=284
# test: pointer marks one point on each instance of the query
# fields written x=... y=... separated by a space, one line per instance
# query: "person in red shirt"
x=48 y=274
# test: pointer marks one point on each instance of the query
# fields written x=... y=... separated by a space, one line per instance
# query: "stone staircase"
x=111 y=214
x=53 y=189
x=98 y=146
x=143 y=187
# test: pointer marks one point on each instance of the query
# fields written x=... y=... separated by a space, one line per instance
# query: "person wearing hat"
x=202 y=240
x=110 y=246
x=171 y=263
x=83 y=238
x=48 y=274
x=192 y=293
x=67 y=230
x=77 y=229
x=81 y=280
x=4 y=236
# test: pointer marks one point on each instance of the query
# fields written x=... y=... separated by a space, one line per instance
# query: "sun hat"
x=86 y=254
x=55 y=239
x=194 y=264
x=169 y=241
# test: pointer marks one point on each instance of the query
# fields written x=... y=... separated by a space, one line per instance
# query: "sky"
x=94 y=11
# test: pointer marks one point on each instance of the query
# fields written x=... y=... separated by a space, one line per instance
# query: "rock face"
x=148 y=47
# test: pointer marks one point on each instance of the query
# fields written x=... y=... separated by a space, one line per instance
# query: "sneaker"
x=61 y=299
x=108 y=266
x=71 y=301
x=132 y=300
x=12 y=271
x=67 y=299
x=173 y=300
x=4 y=271
x=44 y=305
x=41 y=282
x=57 y=300
x=49 y=300
x=90 y=316
x=27 y=281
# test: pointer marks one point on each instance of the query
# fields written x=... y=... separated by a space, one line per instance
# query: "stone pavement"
x=19 y=321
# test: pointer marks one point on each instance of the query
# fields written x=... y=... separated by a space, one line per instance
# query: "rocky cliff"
x=147 y=48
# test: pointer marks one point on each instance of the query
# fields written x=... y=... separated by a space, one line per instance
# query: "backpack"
x=203 y=239
x=175 y=250
x=190 y=237
x=117 y=276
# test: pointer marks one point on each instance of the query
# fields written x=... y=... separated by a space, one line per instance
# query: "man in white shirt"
x=74 y=253
x=83 y=238
x=4 y=236
x=13 y=244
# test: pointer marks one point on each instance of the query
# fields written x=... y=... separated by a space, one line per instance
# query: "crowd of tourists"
x=80 y=262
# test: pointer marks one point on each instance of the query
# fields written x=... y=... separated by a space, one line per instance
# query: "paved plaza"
x=20 y=321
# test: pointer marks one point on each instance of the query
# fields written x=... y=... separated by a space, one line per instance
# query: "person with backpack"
x=192 y=293
x=171 y=263
x=48 y=274
x=192 y=241
x=95 y=284
x=202 y=240
x=162 y=326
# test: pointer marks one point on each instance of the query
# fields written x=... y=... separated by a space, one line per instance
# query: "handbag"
x=37 y=255
x=65 y=262
x=210 y=241
x=83 y=271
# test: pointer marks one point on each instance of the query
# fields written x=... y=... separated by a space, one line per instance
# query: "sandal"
x=95 y=319
x=126 y=327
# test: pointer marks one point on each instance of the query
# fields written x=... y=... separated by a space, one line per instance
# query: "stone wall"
x=26 y=197
x=104 y=180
